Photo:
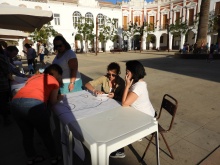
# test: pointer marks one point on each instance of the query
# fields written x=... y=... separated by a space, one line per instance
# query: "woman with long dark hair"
x=67 y=59
x=136 y=93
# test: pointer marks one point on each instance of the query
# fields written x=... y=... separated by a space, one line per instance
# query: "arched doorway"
x=150 y=42
x=136 y=42
x=163 y=41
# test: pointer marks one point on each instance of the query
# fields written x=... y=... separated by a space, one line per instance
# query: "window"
x=100 y=20
x=76 y=18
x=116 y=22
x=191 y=17
x=217 y=8
x=89 y=18
x=56 y=18
x=125 y=22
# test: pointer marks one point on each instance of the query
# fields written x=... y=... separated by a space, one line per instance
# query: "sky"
x=114 y=1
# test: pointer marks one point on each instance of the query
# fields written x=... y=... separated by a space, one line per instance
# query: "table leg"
x=157 y=147
x=94 y=154
x=102 y=155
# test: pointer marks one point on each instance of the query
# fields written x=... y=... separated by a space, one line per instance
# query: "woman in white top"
x=136 y=93
x=67 y=60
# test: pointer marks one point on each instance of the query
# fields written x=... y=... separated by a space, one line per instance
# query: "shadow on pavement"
x=189 y=67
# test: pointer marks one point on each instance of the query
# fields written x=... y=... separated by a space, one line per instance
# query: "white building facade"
x=160 y=13
x=67 y=12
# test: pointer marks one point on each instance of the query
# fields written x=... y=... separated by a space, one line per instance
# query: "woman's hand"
x=128 y=80
x=71 y=87
x=97 y=92
x=111 y=95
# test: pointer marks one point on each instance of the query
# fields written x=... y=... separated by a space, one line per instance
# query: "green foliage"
x=85 y=28
x=213 y=22
x=179 y=28
x=108 y=31
x=151 y=38
x=43 y=34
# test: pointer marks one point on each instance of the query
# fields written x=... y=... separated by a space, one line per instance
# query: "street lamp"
x=96 y=39
x=168 y=30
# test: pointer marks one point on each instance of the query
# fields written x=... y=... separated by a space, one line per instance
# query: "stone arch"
x=38 y=7
x=22 y=5
x=150 y=41
x=163 y=41
x=5 y=3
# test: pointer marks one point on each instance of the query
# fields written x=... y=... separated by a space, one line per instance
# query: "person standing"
x=29 y=108
x=30 y=57
x=67 y=59
x=41 y=53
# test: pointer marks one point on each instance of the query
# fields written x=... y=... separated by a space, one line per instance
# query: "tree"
x=85 y=27
x=203 y=23
x=43 y=34
x=108 y=31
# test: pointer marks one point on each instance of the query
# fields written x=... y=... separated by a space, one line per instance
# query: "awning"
x=12 y=34
x=24 y=19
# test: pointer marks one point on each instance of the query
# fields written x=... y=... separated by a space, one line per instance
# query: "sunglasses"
x=58 y=46
x=113 y=75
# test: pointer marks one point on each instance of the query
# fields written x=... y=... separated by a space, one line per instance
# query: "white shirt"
x=63 y=63
x=142 y=103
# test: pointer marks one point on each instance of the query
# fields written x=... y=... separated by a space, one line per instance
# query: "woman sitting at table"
x=111 y=83
x=136 y=93
x=29 y=108
x=11 y=52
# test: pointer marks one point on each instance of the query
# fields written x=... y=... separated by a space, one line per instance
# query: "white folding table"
x=105 y=130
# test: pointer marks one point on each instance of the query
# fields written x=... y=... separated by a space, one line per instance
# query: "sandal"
x=55 y=160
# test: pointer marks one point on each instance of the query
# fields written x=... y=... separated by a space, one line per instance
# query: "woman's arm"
x=53 y=99
x=90 y=87
x=73 y=66
x=128 y=97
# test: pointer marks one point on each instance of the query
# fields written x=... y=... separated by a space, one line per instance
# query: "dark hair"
x=55 y=67
x=114 y=66
x=61 y=38
x=27 y=45
x=12 y=48
x=137 y=70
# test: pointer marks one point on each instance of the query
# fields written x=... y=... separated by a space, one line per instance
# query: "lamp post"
x=168 y=40
x=96 y=39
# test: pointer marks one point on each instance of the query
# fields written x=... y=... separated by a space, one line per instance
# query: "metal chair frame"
x=169 y=104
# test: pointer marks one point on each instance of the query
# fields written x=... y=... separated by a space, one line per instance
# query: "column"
x=182 y=41
x=209 y=40
x=144 y=42
x=21 y=47
x=158 y=42
x=187 y=16
x=158 y=18
x=170 y=41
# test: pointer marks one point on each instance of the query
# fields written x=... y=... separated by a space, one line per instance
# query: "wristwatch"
x=71 y=82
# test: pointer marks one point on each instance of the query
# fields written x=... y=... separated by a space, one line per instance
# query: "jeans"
x=32 y=114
